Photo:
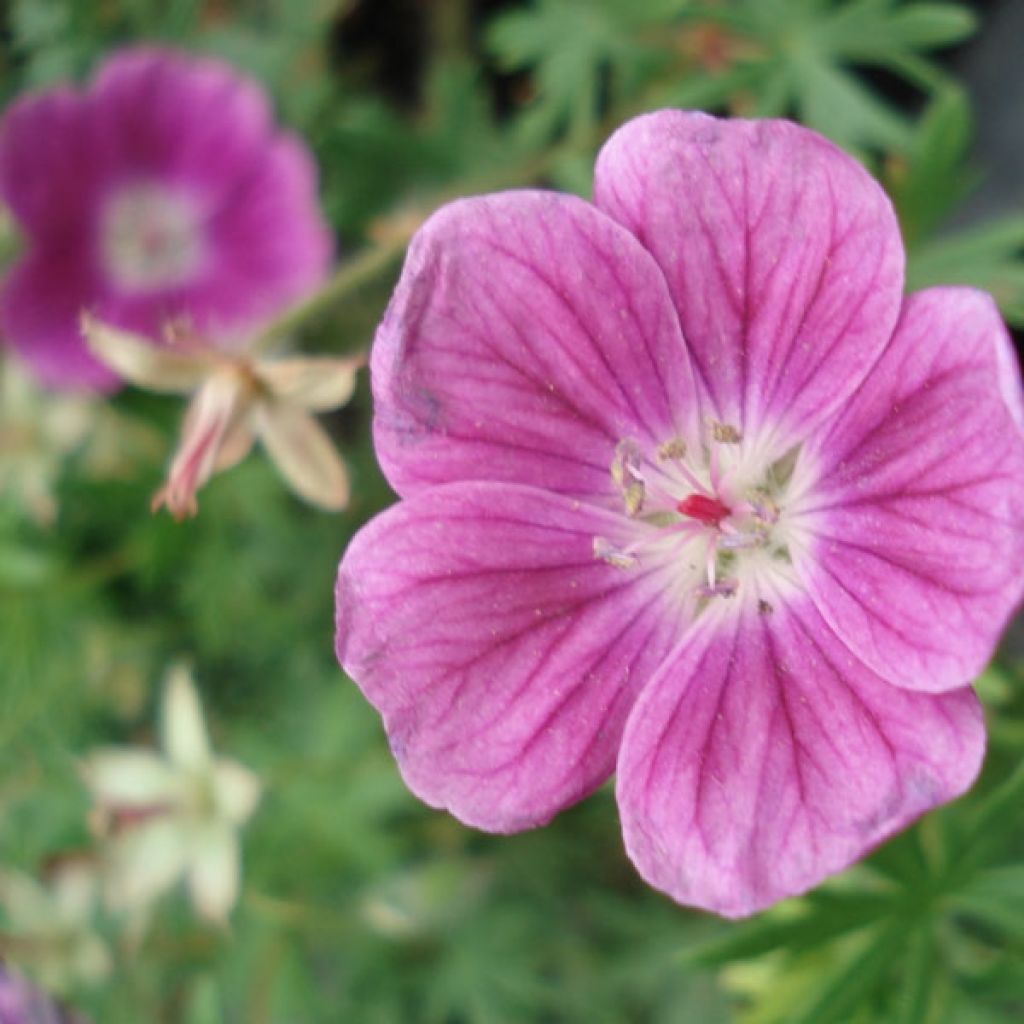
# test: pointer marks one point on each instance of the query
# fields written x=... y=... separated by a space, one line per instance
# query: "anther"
x=627 y=477
x=725 y=433
x=607 y=552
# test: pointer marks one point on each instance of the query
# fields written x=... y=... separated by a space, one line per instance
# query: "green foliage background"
x=359 y=904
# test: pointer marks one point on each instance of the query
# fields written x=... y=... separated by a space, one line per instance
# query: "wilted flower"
x=35 y=436
x=172 y=815
x=238 y=398
x=690 y=491
x=49 y=928
x=22 y=1003
x=162 y=191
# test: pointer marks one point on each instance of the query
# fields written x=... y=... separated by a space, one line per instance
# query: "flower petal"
x=215 y=873
x=164 y=115
x=782 y=254
x=42 y=300
x=215 y=417
x=143 y=862
x=919 y=510
x=45 y=175
x=528 y=335
x=502 y=654
x=271 y=245
x=126 y=777
x=183 y=729
x=764 y=757
x=237 y=790
x=304 y=454
x=143 y=362
x=316 y=383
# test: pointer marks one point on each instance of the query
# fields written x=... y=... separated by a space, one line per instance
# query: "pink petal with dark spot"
x=528 y=335
x=503 y=656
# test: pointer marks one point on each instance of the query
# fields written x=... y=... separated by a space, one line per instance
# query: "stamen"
x=607 y=552
x=721 y=511
x=627 y=477
x=734 y=541
x=671 y=451
x=724 y=588
x=725 y=433
x=712 y=561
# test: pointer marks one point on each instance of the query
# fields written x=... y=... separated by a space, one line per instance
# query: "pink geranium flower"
x=162 y=192
x=693 y=493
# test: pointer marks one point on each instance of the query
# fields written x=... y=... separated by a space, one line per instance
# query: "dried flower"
x=36 y=433
x=235 y=400
x=49 y=928
x=175 y=814
x=162 y=191
x=689 y=491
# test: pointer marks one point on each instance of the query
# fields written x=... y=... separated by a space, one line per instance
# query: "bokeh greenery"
x=358 y=903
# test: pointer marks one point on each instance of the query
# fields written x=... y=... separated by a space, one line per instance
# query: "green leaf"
x=836 y=104
x=988 y=828
x=996 y=896
x=573 y=48
x=990 y=257
x=919 y=978
x=804 y=924
x=877 y=31
x=855 y=983
x=928 y=183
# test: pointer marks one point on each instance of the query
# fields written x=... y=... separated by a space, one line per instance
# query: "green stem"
x=350 y=277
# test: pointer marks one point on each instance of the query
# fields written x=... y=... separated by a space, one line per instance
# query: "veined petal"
x=764 y=757
x=782 y=254
x=303 y=453
x=502 y=654
x=528 y=335
x=143 y=362
x=918 y=513
x=317 y=383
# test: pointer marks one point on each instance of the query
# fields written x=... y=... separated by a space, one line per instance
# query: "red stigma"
x=705 y=510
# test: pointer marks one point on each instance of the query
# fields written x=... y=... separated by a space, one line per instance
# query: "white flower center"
x=151 y=238
x=715 y=511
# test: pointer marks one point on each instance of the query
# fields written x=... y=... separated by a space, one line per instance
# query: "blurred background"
x=357 y=903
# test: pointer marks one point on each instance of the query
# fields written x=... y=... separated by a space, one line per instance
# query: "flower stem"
x=350 y=277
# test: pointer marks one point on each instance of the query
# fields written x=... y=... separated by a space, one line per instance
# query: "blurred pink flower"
x=164 y=191
x=22 y=1003
x=690 y=492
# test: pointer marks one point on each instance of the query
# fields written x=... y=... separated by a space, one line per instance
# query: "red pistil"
x=704 y=509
